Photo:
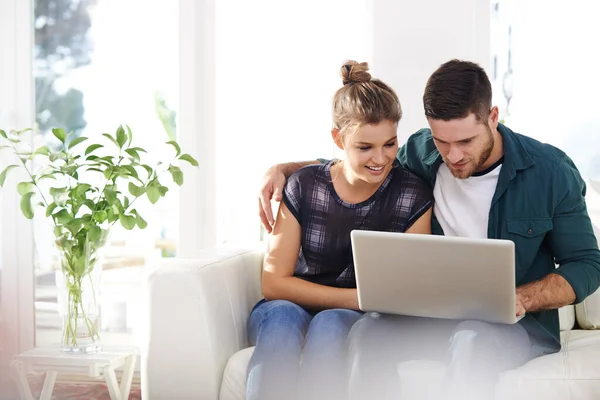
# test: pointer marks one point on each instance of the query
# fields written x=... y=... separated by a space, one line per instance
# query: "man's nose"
x=454 y=155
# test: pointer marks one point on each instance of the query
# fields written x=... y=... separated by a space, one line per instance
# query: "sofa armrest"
x=196 y=319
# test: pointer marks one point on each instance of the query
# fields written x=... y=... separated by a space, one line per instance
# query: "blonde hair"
x=363 y=100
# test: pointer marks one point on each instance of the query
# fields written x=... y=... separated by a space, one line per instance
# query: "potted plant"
x=79 y=188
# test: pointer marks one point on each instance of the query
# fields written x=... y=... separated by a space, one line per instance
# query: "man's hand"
x=271 y=188
x=520 y=306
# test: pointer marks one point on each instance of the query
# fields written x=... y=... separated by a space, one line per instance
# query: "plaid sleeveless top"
x=326 y=220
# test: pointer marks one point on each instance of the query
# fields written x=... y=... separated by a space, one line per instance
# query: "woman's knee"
x=334 y=319
x=284 y=312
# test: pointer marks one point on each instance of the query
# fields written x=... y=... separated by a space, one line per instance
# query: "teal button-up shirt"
x=539 y=204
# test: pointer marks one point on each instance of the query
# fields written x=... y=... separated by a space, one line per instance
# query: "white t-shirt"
x=462 y=206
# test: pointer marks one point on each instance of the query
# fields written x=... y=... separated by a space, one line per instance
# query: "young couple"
x=467 y=175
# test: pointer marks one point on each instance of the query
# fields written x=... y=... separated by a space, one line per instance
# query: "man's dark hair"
x=456 y=89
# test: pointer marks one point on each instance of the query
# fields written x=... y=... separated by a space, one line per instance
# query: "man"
x=491 y=182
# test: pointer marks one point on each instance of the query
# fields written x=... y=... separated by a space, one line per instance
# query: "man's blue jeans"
x=474 y=353
x=298 y=354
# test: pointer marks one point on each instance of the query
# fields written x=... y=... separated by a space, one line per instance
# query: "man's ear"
x=335 y=134
x=493 y=118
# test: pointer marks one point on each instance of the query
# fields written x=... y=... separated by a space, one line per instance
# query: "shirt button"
x=530 y=231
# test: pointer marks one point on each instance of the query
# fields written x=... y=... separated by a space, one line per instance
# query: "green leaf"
x=133 y=153
x=25 y=187
x=138 y=149
x=26 y=207
x=74 y=225
x=148 y=169
x=22 y=131
x=177 y=148
x=63 y=216
x=108 y=173
x=163 y=190
x=94 y=233
x=127 y=221
x=44 y=150
x=5 y=172
x=131 y=171
x=141 y=222
x=76 y=141
x=100 y=216
x=46 y=176
x=136 y=191
x=129 y=135
x=92 y=147
x=95 y=169
x=112 y=139
x=59 y=195
x=121 y=136
x=190 y=159
x=177 y=174
x=58 y=230
x=153 y=194
x=58 y=155
x=3 y=134
x=81 y=189
x=110 y=195
x=60 y=134
x=50 y=209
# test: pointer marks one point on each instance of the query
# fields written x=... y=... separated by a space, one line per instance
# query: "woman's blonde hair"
x=363 y=100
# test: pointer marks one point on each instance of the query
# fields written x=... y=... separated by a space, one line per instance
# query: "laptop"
x=435 y=276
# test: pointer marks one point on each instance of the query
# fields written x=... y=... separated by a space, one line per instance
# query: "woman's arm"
x=422 y=225
x=278 y=281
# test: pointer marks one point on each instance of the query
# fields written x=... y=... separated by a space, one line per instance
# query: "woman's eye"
x=390 y=144
x=364 y=148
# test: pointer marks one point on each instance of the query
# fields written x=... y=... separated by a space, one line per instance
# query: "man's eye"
x=467 y=141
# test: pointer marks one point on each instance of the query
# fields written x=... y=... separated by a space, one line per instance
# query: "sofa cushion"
x=234 y=376
x=588 y=311
x=573 y=373
x=566 y=316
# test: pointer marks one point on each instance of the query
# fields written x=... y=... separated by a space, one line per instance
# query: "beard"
x=478 y=161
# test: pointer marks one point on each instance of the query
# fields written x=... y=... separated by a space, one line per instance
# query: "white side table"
x=53 y=361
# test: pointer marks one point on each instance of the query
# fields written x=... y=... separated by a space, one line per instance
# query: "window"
x=98 y=64
x=552 y=80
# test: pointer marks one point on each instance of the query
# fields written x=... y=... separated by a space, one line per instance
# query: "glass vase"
x=78 y=284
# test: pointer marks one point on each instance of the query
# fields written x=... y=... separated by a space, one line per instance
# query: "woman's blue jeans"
x=298 y=354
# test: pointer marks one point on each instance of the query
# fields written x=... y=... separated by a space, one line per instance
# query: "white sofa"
x=195 y=344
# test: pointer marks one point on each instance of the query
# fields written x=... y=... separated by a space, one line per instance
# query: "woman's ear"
x=335 y=134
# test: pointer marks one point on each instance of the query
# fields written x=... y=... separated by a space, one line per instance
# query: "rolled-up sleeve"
x=572 y=238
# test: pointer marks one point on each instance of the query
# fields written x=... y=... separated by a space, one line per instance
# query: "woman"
x=310 y=298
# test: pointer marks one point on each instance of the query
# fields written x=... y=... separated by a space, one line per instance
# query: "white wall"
x=411 y=38
x=16 y=111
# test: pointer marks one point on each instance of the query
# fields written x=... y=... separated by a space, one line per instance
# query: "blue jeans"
x=474 y=354
x=298 y=354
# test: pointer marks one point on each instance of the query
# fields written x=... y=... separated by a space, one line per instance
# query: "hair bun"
x=354 y=72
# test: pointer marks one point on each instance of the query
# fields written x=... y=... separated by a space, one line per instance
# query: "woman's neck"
x=349 y=187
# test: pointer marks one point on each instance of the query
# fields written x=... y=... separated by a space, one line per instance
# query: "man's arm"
x=573 y=244
x=289 y=168
x=550 y=292
x=272 y=188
